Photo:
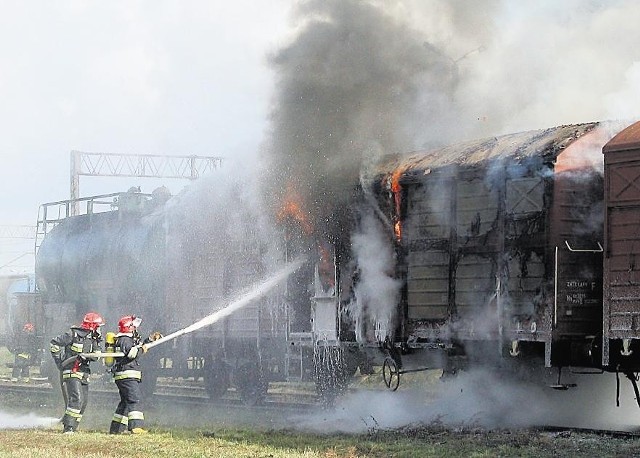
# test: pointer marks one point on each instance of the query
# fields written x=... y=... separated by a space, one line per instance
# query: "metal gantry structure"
x=137 y=165
x=17 y=232
x=16 y=236
x=116 y=165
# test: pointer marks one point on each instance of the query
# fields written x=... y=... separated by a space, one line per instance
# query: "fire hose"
x=241 y=301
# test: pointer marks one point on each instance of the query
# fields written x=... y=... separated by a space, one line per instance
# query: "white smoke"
x=376 y=291
x=480 y=398
x=624 y=102
x=22 y=421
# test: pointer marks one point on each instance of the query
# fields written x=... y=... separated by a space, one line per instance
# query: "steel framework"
x=17 y=232
x=137 y=165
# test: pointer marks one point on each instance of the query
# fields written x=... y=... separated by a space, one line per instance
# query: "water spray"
x=241 y=301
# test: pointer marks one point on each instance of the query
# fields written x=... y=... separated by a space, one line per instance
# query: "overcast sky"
x=149 y=77
x=195 y=76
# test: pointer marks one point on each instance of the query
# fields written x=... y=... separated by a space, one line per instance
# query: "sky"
x=134 y=77
x=217 y=78
x=139 y=77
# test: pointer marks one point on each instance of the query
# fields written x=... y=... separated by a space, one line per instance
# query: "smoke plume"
x=350 y=87
x=480 y=398
x=22 y=421
x=364 y=78
x=376 y=291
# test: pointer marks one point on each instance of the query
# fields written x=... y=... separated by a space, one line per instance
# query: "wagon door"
x=577 y=216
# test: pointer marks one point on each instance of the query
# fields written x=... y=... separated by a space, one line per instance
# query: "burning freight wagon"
x=499 y=249
x=483 y=253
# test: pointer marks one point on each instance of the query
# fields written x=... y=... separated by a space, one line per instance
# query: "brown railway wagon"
x=621 y=279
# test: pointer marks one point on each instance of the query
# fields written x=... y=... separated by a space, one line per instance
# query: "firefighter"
x=127 y=374
x=25 y=346
x=66 y=350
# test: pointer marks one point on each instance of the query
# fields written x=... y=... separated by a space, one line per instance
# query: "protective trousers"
x=128 y=414
x=77 y=397
x=21 y=365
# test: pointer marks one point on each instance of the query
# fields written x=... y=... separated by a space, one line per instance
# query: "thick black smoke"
x=356 y=81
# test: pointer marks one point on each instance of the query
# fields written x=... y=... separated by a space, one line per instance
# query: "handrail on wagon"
x=52 y=213
x=599 y=250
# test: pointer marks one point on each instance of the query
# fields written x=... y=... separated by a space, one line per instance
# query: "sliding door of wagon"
x=576 y=225
x=427 y=240
x=477 y=254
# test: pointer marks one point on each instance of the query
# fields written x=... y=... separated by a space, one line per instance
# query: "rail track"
x=179 y=394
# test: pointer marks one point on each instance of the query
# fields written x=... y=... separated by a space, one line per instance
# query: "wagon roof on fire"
x=547 y=143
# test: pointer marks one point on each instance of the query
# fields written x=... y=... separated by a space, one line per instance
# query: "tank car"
x=172 y=265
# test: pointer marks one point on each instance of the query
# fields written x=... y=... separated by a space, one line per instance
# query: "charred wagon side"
x=500 y=248
x=499 y=251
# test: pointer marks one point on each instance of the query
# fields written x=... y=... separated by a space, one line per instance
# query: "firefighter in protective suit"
x=66 y=350
x=24 y=349
x=127 y=375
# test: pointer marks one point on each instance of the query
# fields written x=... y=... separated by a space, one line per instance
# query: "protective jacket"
x=66 y=349
x=25 y=348
x=75 y=370
x=127 y=375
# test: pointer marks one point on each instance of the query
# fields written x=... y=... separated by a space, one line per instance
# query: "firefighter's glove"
x=154 y=336
x=144 y=348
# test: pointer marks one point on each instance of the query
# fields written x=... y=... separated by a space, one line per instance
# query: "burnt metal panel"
x=426 y=237
x=428 y=285
x=525 y=284
x=512 y=147
x=476 y=208
x=476 y=286
x=524 y=196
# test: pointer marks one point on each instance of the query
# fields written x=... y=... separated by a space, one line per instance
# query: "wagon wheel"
x=216 y=378
x=151 y=371
x=251 y=384
x=391 y=373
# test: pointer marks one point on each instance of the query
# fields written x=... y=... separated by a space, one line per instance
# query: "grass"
x=236 y=443
x=217 y=431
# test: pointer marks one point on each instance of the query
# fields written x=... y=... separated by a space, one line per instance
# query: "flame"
x=396 y=189
x=292 y=209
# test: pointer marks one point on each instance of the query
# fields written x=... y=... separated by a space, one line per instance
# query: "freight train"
x=517 y=252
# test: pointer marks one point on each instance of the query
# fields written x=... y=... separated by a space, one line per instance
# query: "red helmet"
x=128 y=323
x=92 y=321
x=28 y=327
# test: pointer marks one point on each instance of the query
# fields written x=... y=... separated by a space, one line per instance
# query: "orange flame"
x=292 y=208
x=396 y=189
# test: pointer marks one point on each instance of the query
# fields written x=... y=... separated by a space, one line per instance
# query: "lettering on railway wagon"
x=580 y=291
